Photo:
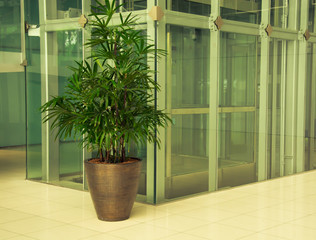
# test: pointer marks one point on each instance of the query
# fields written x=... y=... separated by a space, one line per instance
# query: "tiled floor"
x=284 y=208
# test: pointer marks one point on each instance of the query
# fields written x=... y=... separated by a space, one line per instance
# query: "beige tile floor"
x=278 y=209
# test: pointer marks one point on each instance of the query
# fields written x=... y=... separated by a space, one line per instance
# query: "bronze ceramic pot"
x=113 y=188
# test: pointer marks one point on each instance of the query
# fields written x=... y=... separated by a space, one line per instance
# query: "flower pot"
x=113 y=188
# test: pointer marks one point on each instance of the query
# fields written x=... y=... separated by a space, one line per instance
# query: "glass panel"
x=310 y=109
x=238 y=70
x=279 y=13
x=276 y=74
x=190 y=67
x=65 y=48
x=241 y=10
x=33 y=84
x=237 y=145
x=12 y=109
x=311 y=16
x=34 y=132
x=188 y=83
x=133 y=5
x=198 y=7
x=62 y=9
x=187 y=171
x=10 y=22
x=141 y=153
x=129 y=5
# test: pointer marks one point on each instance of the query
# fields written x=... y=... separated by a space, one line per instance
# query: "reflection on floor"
x=278 y=209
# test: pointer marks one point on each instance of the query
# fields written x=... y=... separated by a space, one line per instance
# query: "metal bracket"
x=24 y=63
x=215 y=23
x=265 y=30
x=219 y=22
x=269 y=30
x=301 y=36
x=156 y=13
x=307 y=35
x=83 y=21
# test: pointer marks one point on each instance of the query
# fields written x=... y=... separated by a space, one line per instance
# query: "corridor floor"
x=283 y=208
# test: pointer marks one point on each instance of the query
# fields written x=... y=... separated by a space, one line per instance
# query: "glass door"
x=237 y=143
x=12 y=75
x=188 y=102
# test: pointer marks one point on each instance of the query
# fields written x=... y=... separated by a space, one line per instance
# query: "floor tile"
x=250 y=223
x=182 y=236
x=21 y=237
x=71 y=215
x=143 y=231
x=209 y=214
x=178 y=223
x=307 y=221
x=218 y=231
x=292 y=232
x=104 y=226
x=28 y=225
x=260 y=236
x=6 y=234
x=146 y=213
x=64 y=232
x=9 y=215
x=102 y=236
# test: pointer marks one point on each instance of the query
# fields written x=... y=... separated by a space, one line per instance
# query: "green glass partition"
x=192 y=7
x=10 y=31
x=239 y=71
x=241 y=10
x=188 y=99
x=63 y=9
x=310 y=109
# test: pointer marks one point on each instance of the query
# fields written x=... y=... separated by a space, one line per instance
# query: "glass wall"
x=232 y=94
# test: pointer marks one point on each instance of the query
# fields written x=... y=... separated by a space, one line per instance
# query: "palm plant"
x=110 y=102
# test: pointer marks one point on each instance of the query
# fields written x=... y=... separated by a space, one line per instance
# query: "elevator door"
x=237 y=110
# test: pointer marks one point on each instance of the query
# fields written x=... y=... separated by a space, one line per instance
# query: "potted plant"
x=110 y=102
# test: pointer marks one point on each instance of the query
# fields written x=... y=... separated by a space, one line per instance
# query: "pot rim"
x=87 y=161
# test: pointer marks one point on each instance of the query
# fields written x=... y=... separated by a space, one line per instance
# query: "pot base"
x=113 y=188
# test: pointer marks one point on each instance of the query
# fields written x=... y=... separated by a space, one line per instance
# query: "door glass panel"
x=190 y=67
x=63 y=9
x=65 y=48
x=12 y=109
x=310 y=109
x=237 y=140
x=239 y=66
x=276 y=76
x=34 y=123
x=311 y=16
x=188 y=101
x=198 y=7
x=241 y=10
x=10 y=22
x=33 y=101
x=279 y=13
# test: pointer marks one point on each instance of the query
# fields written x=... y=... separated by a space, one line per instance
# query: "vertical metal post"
x=290 y=93
x=50 y=147
x=86 y=34
x=213 y=93
x=263 y=108
x=302 y=67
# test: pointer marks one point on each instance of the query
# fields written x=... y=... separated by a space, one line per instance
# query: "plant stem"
x=101 y=155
